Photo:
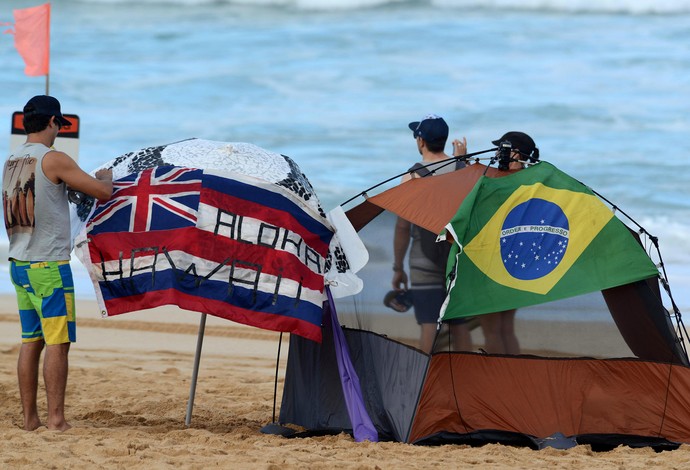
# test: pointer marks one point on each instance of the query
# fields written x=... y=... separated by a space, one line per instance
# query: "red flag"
x=32 y=38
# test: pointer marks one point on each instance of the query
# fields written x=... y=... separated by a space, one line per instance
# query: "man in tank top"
x=427 y=275
x=34 y=191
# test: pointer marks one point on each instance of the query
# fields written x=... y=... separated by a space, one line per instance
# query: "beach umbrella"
x=226 y=229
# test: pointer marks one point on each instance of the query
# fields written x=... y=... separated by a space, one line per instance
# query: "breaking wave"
x=635 y=7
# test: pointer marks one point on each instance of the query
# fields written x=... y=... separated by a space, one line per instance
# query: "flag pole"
x=48 y=53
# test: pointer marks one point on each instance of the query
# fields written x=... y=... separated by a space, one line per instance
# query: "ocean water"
x=603 y=87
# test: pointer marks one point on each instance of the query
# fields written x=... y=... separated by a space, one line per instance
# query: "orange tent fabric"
x=412 y=199
x=540 y=396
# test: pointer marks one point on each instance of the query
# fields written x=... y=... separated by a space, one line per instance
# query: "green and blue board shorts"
x=45 y=296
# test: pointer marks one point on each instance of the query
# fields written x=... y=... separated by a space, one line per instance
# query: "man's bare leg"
x=491 y=327
x=461 y=337
x=510 y=339
x=55 y=366
x=428 y=336
x=27 y=374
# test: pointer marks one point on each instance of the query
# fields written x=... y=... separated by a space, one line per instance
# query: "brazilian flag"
x=532 y=237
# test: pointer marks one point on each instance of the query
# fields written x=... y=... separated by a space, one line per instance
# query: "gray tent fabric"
x=362 y=427
x=312 y=394
x=391 y=375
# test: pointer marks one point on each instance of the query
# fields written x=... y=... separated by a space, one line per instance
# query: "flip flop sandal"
x=400 y=301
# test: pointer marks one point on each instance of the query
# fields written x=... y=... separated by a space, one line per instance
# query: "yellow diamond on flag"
x=536 y=236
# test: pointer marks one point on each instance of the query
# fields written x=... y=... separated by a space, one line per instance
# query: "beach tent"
x=602 y=360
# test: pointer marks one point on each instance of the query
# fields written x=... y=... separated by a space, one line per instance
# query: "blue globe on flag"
x=534 y=239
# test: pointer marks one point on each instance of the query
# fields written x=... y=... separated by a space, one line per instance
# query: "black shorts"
x=427 y=305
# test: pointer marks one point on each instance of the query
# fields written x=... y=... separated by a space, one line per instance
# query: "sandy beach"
x=127 y=398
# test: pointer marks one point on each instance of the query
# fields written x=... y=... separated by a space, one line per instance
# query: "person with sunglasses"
x=35 y=181
x=499 y=328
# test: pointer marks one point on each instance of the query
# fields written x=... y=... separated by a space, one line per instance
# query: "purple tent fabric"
x=362 y=427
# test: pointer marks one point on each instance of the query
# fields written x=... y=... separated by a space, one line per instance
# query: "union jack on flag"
x=162 y=198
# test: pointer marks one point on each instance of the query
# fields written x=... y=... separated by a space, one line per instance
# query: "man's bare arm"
x=59 y=167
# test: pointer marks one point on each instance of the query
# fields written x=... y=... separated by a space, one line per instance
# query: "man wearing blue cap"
x=427 y=259
x=34 y=188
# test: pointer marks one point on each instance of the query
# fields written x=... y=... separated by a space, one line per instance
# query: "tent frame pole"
x=195 y=370
x=275 y=382
x=448 y=161
x=273 y=427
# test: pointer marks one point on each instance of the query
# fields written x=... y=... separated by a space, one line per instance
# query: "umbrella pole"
x=195 y=371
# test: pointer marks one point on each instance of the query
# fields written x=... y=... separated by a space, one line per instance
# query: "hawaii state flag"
x=535 y=236
x=210 y=241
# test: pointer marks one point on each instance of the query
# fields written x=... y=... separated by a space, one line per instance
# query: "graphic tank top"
x=36 y=209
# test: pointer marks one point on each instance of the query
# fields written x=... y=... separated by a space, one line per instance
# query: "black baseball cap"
x=46 y=106
x=519 y=141
x=431 y=128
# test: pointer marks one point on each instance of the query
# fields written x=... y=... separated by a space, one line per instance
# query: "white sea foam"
x=575 y=6
x=563 y=6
